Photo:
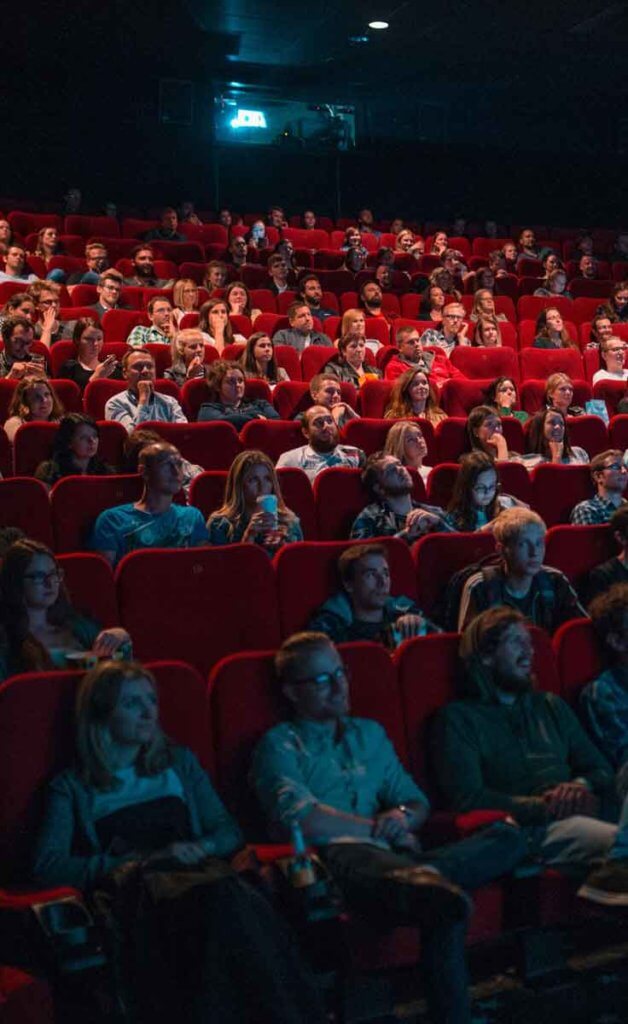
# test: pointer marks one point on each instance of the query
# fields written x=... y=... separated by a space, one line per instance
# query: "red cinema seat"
x=611 y=392
x=272 y=436
x=439 y=555
x=340 y=496
x=588 y=432
x=76 y=501
x=210 y=445
x=6 y=455
x=87 y=227
x=34 y=442
x=577 y=657
x=557 y=488
x=514 y=479
x=575 y=550
x=154 y=585
x=24 y=503
x=539 y=363
x=374 y=398
x=98 y=392
x=292 y=397
x=529 y=306
x=618 y=432
x=133 y=227
x=580 y=288
x=24 y=223
x=314 y=359
x=486 y=363
x=264 y=299
x=25 y=998
x=84 y=295
x=317 y=563
x=162 y=355
x=458 y=397
x=194 y=393
x=584 y=309
x=370 y=434
x=533 y=394
x=89 y=581
x=117 y=324
x=451 y=436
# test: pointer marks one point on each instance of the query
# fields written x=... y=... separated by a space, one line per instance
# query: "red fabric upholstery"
x=210 y=445
x=370 y=434
x=458 y=397
x=87 y=227
x=117 y=324
x=577 y=657
x=486 y=363
x=588 y=432
x=293 y=397
x=76 y=501
x=297 y=494
x=340 y=496
x=529 y=306
x=6 y=455
x=618 y=432
x=317 y=563
x=514 y=479
x=533 y=394
x=557 y=488
x=374 y=397
x=34 y=442
x=451 y=434
x=439 y=555
x=24 y=503
x=539 y=363
x=313 y=360
x=272 y=436
x=89 y=580
x=24 y=998
x=165 y=581
x=575 y=550
x=611 y=392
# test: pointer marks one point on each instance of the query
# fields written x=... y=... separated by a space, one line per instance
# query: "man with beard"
x=506 y=746
x=143 y=276
x=370 y=300
x=322 y=449
x=541 y=593
x=392 y=511
x=311 y=293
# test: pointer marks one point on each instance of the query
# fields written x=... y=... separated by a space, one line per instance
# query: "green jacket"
x=491 y=755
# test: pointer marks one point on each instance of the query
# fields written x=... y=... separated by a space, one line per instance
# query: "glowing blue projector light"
x=249 y=119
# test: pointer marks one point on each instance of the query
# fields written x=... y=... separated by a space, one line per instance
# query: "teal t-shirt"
x=125 y=528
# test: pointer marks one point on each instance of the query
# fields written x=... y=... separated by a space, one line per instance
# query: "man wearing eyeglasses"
x=453 y=332
x=610 y=476
x=613 y=353
x=340 y=778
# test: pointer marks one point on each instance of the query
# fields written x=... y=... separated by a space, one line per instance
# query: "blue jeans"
x=380 y=883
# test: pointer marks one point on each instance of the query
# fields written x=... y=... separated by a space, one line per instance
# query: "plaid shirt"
x=604 y=703
x=141 y=336
x=594 y=511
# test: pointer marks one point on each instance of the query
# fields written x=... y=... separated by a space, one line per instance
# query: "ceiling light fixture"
x=378 y=24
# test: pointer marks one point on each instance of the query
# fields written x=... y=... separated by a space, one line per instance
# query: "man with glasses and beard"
x=338 y=778
x=392 y=511
x=506 y=746
x=322 y=449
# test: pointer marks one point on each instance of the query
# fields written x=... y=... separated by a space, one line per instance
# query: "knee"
x=592 y=837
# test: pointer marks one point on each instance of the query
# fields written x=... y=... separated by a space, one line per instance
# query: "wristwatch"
x=404 y=810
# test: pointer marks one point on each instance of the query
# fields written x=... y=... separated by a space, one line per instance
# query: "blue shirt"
x=604 y=703
x=300 y=764
x=126 y=528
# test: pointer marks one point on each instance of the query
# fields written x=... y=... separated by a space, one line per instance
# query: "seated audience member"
x=155 y=521
x=188 y=214
x=311 y=293
x=162 y=327
x=354 y=322
x=308 y=220
x=140 y=438
x=405 y=242
x=559 y=395
x=325 y=389
x=143 y=269
x=16 y=358
x=487 y=333
x=215 y=276
x=485 y=433
x=551 y=331
x=497 y=263
x=244 y=517
x=6 y=236
x=510 y=256
x=410 y=356
x=86 y=366
x=136 y=801
x=96 y=262
x=617 y=306
x=225 y=217
x=48 y=328
x=620 y=251
x=323 y=448
x=167 y=230
x=501 y=396
x=547 y=440
x=258 y=360
x=276 y=218
x=19 y=304
x=184 y=298
x=256 y=237
x=392 y=512
x=39 y=628
x=366 y=222
x=226 y=401
x=453 y=262
x=370 y=299
x=484 y=306
x=140 y=402
x=610 y=476
x=339 y=777
x=542 y=594
x=15 y=266
x=350 y=364
x=440 y=242
x=432 y=304
x=588 y=268
x=615 y=570
x=285 y=248
x=353 y=241
x=46 y=248
x=74 y=451
x=300 y=334
x=613 y=355
x=33 y=401
x=453 y=331
x=188 y=354
x=215 y=325
x=601 y=329
x=109 y=289
x=554 y=285
x=504 y=745
x=477 y=500
x=281 y=277
x=238 y=299
x=413 y=395
x=442 y=279
x=363 y=608
x=406 y=442
x=237 y=252
x=527 y=245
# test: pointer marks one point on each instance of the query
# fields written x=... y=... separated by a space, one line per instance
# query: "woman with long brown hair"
x=413 y=395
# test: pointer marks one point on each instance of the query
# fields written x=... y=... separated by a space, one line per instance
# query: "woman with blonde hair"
x=188 y=354
x=184 y=298
x=245 y=515
x=354 y=322
x=406 y=442
x=487 y=333
x=34 y=400
x=559 y=395
x=413 y=395
x=484 y=305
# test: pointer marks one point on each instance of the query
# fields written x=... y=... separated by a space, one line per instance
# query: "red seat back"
x=577 y=657
x=438 y=556
x=370 y=434
x=117 y=324
x=76 y=501
x=340 y=496
x=533 y=394
x=374 y=398
x=292 y=397
x=557 y=488
x=24 y=503
x=611 y=392
x=210 y=445
x=89 y=580
x=539 y=363
x=588 y=432
x=154 y=585
x=272 y=436
x=575 y=550
x=618 y=432
x=486 y=363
